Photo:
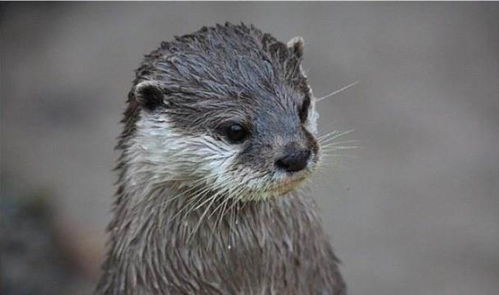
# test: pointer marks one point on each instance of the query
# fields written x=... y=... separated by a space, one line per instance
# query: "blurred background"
x=415 y=211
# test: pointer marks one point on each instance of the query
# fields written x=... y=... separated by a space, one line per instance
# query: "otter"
x=220 y=134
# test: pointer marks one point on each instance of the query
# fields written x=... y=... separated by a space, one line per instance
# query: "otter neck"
x=277 y=243
x=155 y=217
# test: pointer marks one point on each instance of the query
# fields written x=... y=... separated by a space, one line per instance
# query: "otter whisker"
x=337 y=91
x=195 y=200
x=188 y=206
x=198 y=201
x=343 y=142
x=340 y=147
x=218 y=219
x=196 y=227
x=333 y=135
x=334 y=132
x=220 y=207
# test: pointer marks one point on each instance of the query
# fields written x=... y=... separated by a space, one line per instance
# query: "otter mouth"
x=287 y=185
x=291 y=182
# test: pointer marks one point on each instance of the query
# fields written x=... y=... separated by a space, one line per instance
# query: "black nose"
x=294 y=161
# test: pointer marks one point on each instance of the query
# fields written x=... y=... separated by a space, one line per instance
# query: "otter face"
x=237 y=120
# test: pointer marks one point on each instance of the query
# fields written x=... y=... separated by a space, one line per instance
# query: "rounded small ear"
x=149 y=94
x=295 y=45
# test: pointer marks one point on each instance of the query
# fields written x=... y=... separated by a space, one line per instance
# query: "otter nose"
x=294 y=161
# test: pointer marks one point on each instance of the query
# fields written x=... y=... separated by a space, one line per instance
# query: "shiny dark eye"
x=236 y=133
x=303 y=110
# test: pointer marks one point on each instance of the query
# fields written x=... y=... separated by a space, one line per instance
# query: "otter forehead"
x=228 y=71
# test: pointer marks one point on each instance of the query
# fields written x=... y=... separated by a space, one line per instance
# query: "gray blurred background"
x=415 y=211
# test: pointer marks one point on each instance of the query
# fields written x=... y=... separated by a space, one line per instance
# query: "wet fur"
x=183 y=222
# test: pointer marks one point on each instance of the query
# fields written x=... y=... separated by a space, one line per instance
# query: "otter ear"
x=293 y=65
x=149 y=94
x=295 y=45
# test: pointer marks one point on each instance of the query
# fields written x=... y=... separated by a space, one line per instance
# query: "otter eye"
x=303 y=110
x=236 y=133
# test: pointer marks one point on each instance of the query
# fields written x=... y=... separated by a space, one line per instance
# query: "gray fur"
x=197 y=215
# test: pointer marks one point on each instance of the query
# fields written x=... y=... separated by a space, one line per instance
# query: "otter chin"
x=218 y=135
x=286 y=187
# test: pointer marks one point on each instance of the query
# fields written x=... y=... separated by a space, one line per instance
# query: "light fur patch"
x=158 y=155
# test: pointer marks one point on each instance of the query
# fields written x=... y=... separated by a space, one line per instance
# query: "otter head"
x=227 y=111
